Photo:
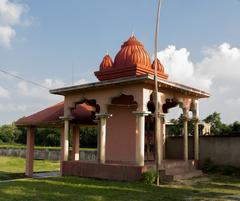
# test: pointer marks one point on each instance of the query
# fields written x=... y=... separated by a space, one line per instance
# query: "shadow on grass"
x=10 y=175
x=72 y=188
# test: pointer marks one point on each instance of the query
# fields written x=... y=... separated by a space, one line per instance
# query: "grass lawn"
x=216 y=188
x=74 y=188
x=13 y=167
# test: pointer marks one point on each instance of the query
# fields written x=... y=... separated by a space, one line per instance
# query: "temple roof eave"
x=131 y=80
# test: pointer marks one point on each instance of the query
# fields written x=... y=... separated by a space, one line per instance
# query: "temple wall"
x=46 y=154
x=121 y=134
x=222 y=150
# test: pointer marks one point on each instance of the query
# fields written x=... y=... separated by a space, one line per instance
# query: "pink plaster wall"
x=121 y=135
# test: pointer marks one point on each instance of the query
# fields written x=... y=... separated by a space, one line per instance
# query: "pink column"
x=75 y=143
x=30 y=151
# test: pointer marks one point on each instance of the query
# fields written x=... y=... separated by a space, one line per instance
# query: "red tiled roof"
x=51 y=116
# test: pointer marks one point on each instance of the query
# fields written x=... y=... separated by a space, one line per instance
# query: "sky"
x=60 y=43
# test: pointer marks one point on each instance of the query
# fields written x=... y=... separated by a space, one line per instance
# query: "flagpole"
x=158 y=152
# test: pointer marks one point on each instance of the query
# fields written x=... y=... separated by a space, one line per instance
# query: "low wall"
x=46 y=154
x=222 y=150
x=118 y=172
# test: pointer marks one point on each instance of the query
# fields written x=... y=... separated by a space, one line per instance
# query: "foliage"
x=47 y=137
x=88 y=137
x=214 y=119
x=177 y=125
x=9 y=133
x=219 y=128
x=210 y=167
x=149 y=177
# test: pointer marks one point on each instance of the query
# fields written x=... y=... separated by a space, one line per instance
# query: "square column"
x=140 y=138
x=102 y=137
x=30 y=151
x=185 y=134
x=65 y=138
x=75 y=143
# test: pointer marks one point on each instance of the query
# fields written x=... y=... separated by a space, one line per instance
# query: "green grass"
x=211 y=187
x=74 y=188
x=13 y=167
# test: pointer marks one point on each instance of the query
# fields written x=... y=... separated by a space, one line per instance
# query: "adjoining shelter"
x=122 y=105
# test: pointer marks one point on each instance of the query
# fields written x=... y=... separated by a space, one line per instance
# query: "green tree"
x=177 y=125
x=215 y=121
x=9 y=133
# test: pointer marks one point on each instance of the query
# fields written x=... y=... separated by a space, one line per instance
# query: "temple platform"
x=169 y=171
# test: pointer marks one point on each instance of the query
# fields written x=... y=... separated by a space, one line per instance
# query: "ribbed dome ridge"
x=132 y=53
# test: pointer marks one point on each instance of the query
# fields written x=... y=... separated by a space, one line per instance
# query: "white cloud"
x=81 y=81
x=11 y=14
x=3 y=92
x=181 y=69
x=13 y=107
x=218 y=71
x=29 y=90
x=7 y=33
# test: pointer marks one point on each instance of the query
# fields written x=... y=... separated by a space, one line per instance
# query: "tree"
x=177 y=126
x=9 y=133
x=215 y=121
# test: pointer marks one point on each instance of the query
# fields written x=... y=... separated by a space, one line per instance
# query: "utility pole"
x=158 y=146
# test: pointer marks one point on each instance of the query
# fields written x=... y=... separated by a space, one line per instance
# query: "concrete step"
x=176 y=163
x=178 y=170
x=184 y=175
x=188 y=175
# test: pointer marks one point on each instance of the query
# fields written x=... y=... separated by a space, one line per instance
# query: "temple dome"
x=131 y=61
x=106 y=62
x=132 y=53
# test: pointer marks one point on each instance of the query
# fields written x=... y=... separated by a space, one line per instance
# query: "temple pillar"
x=185 y=134
x=196 y=140
x=65 y=138
x=62 y=150
x=102 y=137
x=163 y=135
x=140 y=136
x=75 y=143
x=195 y=111
x=30 y=151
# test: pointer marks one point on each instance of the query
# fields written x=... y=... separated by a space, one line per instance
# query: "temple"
x=121 y=106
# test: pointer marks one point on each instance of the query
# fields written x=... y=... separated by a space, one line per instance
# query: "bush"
x=208 y=166
x=9 y=133
x=149 y=177
x=228 y=170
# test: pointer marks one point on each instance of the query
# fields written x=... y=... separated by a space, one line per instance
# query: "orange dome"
x=106 y=63
x=160 y=67
x=132 y=53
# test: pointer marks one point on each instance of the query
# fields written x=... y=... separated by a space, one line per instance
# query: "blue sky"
x=52 y=37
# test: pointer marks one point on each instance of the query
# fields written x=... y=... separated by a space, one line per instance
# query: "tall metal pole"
x=158 y=151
